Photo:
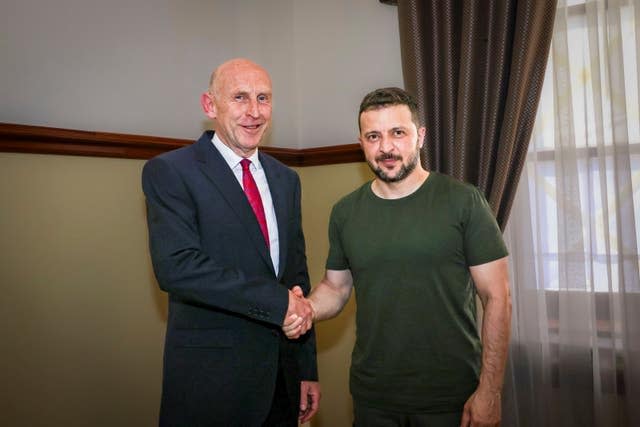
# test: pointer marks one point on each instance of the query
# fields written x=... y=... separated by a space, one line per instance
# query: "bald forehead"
x=235 y=68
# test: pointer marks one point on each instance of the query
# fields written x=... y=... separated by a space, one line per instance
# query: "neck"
x=240 y=151
x=397 y=190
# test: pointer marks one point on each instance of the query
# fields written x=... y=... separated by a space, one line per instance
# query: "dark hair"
x=387 y=97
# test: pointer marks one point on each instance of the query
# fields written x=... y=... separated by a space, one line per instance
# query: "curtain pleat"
x=573 y=237
x=476 y=68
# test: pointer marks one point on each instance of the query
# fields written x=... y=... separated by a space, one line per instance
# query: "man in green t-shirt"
x=410 y=242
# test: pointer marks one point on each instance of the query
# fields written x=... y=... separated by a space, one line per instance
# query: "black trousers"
x=283 y=412
x=371 y=417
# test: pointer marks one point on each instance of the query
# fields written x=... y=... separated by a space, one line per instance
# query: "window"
x=596 y=152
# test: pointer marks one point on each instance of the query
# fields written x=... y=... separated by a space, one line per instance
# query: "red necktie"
x=253 y=195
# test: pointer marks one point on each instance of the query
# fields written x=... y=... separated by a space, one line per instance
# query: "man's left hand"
x=309 y=399
x=483 y=409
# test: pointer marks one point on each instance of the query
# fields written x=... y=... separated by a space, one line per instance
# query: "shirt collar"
x=232 y=159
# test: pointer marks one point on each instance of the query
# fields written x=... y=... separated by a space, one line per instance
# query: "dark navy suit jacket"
x=224 y=344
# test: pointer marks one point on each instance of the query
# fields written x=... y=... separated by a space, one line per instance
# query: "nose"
x=253 y=110
x=386 y=145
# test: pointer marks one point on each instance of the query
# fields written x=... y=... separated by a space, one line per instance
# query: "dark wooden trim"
x=47 y=140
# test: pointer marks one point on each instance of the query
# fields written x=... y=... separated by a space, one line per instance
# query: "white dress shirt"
x=233 y=160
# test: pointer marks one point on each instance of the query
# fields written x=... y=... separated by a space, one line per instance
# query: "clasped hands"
x=300 y=314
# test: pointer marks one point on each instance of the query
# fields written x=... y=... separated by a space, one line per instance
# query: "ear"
x=206 y=100
x=422 y=131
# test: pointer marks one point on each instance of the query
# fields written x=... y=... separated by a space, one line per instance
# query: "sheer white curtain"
x=574 y=230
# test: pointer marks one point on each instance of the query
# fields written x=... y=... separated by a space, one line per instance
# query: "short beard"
x=404 y=171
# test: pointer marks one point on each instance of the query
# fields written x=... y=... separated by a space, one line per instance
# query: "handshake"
x=300 y=314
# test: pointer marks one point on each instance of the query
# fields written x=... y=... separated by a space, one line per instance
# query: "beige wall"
x=81 y=317
x=321 y=187
x=83 y=321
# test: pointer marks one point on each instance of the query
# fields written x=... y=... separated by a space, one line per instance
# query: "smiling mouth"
x=251 y=128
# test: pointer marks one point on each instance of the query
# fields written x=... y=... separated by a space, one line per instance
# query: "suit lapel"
x=213 y=165
x=277 y=187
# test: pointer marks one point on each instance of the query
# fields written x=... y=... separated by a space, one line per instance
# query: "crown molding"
x=17 y=138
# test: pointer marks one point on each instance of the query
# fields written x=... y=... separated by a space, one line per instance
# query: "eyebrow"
x=247 y=92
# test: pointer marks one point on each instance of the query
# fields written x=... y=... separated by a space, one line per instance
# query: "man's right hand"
x=299 y=317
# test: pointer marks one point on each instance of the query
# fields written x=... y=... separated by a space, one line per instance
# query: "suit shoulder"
x=171 y=163
x=175 y=155
x=184 y=154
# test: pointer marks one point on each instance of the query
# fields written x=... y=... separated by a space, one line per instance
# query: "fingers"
x=292 y=322
x=297 y=328
x=466 y=416
x=312 y=408
x=309 y=400
x=297 y=291
x=304 y=401
x=299 y=317
x=300 y=306
x=482 y=409
x=292 y=326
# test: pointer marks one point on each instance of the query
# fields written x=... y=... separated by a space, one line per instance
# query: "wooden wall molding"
x=18 y=138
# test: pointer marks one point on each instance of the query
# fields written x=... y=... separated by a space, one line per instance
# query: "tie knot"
x=245 y=164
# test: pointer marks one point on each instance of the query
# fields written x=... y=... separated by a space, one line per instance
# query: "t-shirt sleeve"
x=336 y=260
x=483 y=240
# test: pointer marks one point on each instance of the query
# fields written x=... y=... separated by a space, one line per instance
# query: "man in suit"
x=226 y=243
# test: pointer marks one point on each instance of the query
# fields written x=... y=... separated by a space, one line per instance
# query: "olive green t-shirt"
x=417 y=347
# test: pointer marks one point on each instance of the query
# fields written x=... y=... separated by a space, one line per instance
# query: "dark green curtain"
x=477 y=68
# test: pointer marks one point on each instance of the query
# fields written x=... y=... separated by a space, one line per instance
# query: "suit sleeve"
x=306 y=351
x=183 y=269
